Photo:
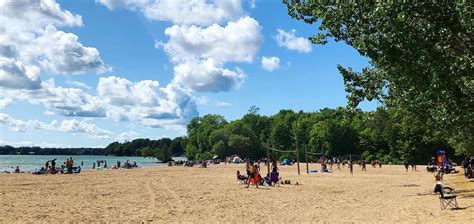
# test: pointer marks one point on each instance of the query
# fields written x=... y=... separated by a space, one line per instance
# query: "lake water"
x=31 y=162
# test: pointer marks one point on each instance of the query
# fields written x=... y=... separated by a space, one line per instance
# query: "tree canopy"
x=162 y=148
x=382 y=134
x=421 y=58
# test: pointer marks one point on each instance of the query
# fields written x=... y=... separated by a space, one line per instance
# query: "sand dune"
x=183 y=194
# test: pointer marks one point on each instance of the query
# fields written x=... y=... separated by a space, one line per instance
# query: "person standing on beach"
x=46 y=166
x=351 y=166
x=247 y=168
x=406 y=165
x=413 y=167
x=93 y=165
x=71 y=163
x=363 y=166
x=105 y=164
x=67 y=165
x=252 y=174
x=274 y=166
x=53 y=166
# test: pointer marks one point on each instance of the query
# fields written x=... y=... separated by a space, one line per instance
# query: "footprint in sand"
x=152 y=198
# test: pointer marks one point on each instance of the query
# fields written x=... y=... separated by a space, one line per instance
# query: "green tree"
x=163 y=154
x=421 y=56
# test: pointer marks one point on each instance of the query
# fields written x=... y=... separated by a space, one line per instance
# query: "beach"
x=192 y=194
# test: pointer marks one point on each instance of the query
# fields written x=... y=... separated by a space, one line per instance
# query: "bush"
x=164 y=155
x=205 y=155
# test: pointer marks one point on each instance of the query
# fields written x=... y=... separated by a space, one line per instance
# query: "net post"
x=298 y=159
x=268 y=160
x=306 y=155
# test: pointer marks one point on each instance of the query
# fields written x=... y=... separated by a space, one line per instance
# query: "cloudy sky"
x=86 y=73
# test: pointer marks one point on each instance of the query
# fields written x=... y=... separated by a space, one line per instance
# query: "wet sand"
x=184 y=194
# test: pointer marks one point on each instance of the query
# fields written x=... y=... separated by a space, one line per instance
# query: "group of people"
x=253 y=174
x=192 y=163
x=350 y=165
x=50 y=167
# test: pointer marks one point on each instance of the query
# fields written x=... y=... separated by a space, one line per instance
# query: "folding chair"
x=447 y=197
x=241 y=178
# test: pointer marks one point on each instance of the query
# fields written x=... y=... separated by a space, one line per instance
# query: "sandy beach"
x=184 y=194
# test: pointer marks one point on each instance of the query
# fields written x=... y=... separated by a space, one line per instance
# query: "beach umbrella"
x=214 y=157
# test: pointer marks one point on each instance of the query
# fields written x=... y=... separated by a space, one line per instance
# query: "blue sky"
x=145 y=68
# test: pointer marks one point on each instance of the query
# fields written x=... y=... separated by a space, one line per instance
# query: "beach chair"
x=241 y=178
x=447 y=196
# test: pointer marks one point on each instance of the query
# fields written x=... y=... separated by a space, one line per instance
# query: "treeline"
x=384 y=134
x=163 y=148
x=10 y=150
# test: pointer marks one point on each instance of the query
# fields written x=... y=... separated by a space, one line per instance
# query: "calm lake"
x=31 y=162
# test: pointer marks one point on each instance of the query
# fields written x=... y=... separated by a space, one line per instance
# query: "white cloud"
x=79 y=84
x=237 y=41
x=127 y=136
x=198 y=44
x=37 y=14
x=76 y=126
x=122 y=92
x=119 y=99
x=65 y=101
x=63 y=54
x=15 y=75
x=200 y=12
x=29 y=144
x=223 y=104
x=4 y=102
x=31 y=44
x=49 y=113
x=208 y=75
x=73 y=126
x=146 y=101
x=200 y=53
x=290 y=41
x=22 y=126
x=270 y=63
